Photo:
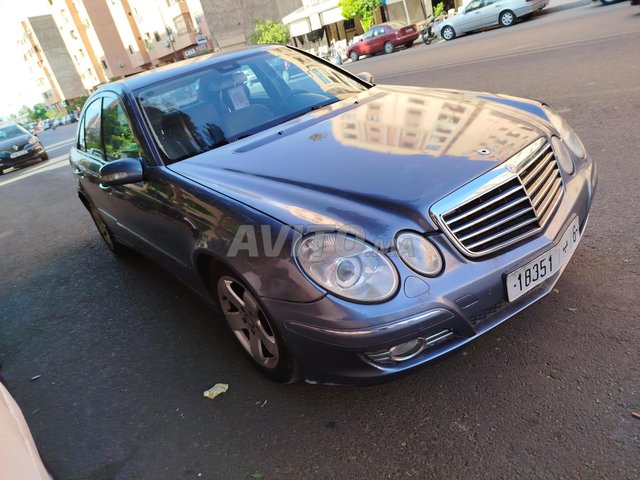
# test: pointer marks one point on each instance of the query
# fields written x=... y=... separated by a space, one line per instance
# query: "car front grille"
x=508 y=204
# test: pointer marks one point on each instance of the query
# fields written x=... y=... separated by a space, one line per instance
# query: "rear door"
x=105 y=135
x=379 y=38
x=489 y=12
x=471 y=18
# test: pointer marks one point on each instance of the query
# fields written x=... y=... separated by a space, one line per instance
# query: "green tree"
x=438 y=10
x=363 y=9
x=269 y=31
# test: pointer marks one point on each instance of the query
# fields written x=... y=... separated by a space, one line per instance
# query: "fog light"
x=406 y=350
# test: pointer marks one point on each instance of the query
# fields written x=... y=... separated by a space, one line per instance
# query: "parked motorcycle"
x=427 y=33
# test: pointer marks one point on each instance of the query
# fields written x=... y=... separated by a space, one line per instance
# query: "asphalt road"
x=124 y=351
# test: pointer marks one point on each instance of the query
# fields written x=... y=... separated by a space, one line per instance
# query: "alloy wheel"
x=102 y=228
x=448 y=33
x=248 y=322
x=507 y=19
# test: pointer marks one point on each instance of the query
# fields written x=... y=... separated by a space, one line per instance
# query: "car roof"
x=182 y=68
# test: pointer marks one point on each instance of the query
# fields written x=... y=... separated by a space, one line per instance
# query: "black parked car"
x=18 y=147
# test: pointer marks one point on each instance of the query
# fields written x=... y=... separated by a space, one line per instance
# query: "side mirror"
x=366 y=76
x=121 y=172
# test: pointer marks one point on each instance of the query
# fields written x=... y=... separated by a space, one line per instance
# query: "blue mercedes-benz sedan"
x=347 y=232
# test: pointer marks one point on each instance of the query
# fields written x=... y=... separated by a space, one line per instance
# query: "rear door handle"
x=78 y=172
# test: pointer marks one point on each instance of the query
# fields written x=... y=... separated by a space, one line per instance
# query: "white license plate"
x=18 y=154
x=546 y=265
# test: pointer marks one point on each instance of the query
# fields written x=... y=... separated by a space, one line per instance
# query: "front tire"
x=253 y=330
x=507 y=18
x=44 y=157
x=448 y=33
x=608 y=2
x=388 y=47
x=354 y=56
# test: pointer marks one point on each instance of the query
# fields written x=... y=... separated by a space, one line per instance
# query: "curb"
x=568 y=6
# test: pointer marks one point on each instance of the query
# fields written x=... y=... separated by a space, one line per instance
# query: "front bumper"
x=335 y=341
x=33 y=152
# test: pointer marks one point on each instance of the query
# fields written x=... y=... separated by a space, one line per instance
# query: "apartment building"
x=231 y=21
x=82 y=44
x=49 y=61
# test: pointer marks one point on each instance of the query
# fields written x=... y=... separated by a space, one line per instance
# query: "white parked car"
x=19 y=458
x=487 y=13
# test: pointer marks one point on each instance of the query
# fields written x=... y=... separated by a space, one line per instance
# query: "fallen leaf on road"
x=216 y=390
x=35 y=377
x=572 y=309
x=636 y=414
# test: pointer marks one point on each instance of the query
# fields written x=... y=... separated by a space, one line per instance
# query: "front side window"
x=92 y=129
x=198 y=112
x=119 y=140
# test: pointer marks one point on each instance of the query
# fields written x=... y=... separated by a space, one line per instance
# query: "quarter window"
x=119 y=140
x=92 y=129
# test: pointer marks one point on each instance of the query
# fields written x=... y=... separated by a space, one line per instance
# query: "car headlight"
x=566 y=132
x=347 y=267
x=33 y=140
x=562 y=155
x=419 y=254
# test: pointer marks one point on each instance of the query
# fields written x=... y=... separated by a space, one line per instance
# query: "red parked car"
x=383 y=38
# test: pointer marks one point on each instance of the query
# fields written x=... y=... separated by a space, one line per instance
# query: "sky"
x=17 y=87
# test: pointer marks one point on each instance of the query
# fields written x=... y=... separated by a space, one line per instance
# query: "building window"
x=130 y=49
x=183 y=24
x=104 y=65
x=81 y=51
x=73 y=34
x=156 y=35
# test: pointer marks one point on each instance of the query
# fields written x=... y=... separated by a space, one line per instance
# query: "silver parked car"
x=488 y=13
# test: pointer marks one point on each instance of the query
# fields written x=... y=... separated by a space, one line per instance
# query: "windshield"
x=10 y=131
x=231 y=100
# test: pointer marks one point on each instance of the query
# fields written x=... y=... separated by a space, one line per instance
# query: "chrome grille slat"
x=503 y=233
x=496 y=224
x=503 y=195
x=506 y=205
x=544 y=194
x=541 y=180
x=530 y=175
x=487 y=216
x=549 y=200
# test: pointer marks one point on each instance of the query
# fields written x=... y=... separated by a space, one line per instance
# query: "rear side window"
x=92 y=129
x=81 y=144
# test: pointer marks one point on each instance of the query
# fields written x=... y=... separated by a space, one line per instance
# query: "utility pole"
x=167 y=29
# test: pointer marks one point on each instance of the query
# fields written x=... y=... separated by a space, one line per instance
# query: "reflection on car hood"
x=8 y=143
x=379 y=163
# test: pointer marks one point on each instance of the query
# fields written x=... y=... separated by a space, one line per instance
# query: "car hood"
x=20 y=140
x=378 y=161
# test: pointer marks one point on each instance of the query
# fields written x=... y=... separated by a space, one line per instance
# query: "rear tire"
x=354 y=56
x=608 y=2
x=114 y=245
x=252 y=328
x=44 y=157
x=507 y=18
x=388 y=47
x=448 y=33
